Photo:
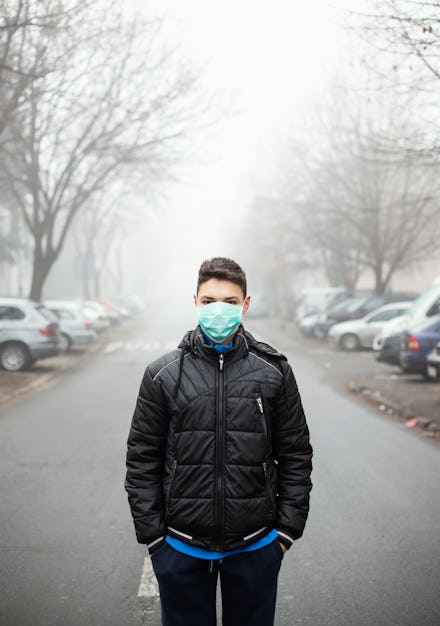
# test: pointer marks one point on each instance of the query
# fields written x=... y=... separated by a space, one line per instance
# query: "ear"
x=195 y=299
x=246 y=304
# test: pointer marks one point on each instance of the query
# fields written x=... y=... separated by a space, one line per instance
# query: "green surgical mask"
x=218 y=320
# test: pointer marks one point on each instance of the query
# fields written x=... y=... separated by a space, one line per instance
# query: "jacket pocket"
x=261 y=413
x=171 y=488
x=268 y=486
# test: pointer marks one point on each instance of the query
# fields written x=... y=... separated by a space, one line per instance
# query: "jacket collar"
x=194 y=342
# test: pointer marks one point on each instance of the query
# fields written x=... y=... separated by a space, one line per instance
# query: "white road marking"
x=138 y=346
x=148 y=586
x=132 y=347
x=114 y=345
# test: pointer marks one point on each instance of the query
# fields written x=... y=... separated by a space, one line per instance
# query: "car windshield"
x=355 y=304
x=420 y=303
x=374 y=303
x=51 y=317
x=343 y=305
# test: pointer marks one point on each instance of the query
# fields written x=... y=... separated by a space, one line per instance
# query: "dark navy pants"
x=188 y=586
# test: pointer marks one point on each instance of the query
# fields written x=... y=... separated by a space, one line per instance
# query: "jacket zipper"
x=261 y=409
x=220 y=434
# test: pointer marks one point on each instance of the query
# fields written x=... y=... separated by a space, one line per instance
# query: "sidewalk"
x=406 y=397
x=46 y=372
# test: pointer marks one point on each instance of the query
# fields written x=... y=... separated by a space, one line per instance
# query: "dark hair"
x=223 y=269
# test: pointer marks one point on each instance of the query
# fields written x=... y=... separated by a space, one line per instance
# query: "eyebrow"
x=224 y=299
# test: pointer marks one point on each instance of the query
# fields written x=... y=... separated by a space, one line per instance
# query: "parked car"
x=128 y=305
x=113 y=312
x=96 y=314
x=416 y=343
x=28 y=332
x=309 y=324
x=387 y=349
x=75 y=328
x=355 y=334
x=356 y=308
x=386 y=344
x=314 y=300
x=433 y=363
x=335 y=314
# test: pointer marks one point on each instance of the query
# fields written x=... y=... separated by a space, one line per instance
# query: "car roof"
x=313 y=289
x=19 y=301
x=71 y=304
x=392 y=305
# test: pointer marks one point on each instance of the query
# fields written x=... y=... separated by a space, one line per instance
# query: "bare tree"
x=22 y=23
x=116 y=98
x=352 y=200
x=99 y=230
x=369 y=206
x=404 y=43
x=408 y=30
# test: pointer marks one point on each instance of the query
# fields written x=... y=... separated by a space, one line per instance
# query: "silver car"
x=28 y=332
x=96 y=313
x=360 y=333
x=75 y=327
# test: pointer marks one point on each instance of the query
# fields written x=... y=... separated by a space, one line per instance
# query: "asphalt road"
x=370 y=555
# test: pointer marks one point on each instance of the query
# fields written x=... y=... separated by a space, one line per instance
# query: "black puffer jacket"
x=218 y=451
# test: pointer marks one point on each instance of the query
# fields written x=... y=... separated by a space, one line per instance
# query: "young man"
x=219 y=463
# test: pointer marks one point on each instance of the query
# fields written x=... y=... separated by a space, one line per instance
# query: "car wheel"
x=349 y=341
x=14 y=357
x=427 y=377
x=65 y=343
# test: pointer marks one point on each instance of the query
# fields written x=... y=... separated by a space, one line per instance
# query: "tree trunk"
x=379 y=282
x=97 y=283
x=86 y=277
x=42 y=264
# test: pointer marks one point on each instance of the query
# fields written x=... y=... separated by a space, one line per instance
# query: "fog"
x=302 y=140
x=262 y=62
x=263 y=88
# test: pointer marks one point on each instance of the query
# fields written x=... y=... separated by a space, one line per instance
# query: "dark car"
x=357 y=307
x=416 y=343
x=388 y=349
x=310 y=324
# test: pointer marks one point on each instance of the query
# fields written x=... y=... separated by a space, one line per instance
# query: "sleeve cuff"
x=154 y=545
x=285 y=539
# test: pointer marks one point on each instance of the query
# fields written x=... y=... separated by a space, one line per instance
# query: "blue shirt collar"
x=220 y=347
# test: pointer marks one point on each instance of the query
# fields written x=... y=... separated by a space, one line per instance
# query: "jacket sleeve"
x=146 y=450
x=293 y=453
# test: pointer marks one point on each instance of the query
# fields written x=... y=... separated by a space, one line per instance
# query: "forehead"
x=219 y=289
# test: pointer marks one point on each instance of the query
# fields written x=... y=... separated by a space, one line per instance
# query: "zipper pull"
x=221 y=359
x=260 y=404
x=265 y=468
x=174 y=466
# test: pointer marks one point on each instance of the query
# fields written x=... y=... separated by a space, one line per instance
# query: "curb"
x=402 y=412
x=45 y=381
